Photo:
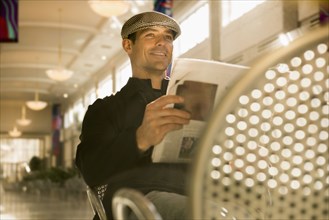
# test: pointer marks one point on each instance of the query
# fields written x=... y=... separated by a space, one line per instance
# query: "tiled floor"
x=52 y=206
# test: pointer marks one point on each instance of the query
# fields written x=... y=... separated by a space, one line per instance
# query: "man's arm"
x=106 y=146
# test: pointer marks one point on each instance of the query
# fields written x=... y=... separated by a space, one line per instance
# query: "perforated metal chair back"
x=130 y=204
x=96 y=203
x=264 y=153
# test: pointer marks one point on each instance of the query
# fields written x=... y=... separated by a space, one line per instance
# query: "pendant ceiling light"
x=23 y=121
x=59 y=73
x=108 y=8
x=15 y=132
x=36 y=104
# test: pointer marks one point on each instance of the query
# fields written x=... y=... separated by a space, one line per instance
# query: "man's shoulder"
x=113 y=99
x=133 y=86
x=105 y=102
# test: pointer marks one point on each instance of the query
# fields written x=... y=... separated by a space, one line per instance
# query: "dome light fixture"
x=108 y=8
x=59 y=73
x=36 y=104
x=15 y=132
x=23 y=121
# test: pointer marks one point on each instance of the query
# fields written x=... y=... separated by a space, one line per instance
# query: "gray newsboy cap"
x=148 y=19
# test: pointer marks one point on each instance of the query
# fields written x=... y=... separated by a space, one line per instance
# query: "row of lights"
x=35 y=105
x=102 y=7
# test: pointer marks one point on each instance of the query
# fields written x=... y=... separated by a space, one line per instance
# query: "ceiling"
x=88 y=40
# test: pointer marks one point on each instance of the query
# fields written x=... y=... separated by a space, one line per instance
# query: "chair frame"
x=96 y=204
x=228 y=102
x=127 y=198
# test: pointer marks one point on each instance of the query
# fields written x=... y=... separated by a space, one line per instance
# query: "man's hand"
x=159 y=120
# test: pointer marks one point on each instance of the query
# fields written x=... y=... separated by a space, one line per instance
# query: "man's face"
x=152 y=51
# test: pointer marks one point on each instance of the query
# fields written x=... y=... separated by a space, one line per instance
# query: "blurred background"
x=58 y=56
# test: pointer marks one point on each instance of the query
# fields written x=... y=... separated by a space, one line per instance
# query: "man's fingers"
x=163 y=101
x=161 y=131
x=167 y=113
x=174 y=112
x=172 y=120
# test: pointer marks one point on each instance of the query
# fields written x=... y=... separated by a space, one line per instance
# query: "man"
x=120 y=131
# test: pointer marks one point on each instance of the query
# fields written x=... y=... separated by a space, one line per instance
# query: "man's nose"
x=161 y=40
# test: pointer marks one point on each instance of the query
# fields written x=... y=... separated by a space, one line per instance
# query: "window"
x=90 y=97
x=232 y=9
x=122 y=76
x=105 y=87
x=68 y=118
x=195 y=29
x=78 y=111
x=16 y=153
x=18 y=150
x=75 y=114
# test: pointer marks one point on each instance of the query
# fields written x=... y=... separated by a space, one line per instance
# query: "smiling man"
x=152 y=53
x=119 y=132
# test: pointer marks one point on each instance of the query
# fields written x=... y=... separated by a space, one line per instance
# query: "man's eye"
x=169 y=37
x=150 y=35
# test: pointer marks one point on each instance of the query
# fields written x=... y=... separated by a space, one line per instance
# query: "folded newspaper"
x=202 y=83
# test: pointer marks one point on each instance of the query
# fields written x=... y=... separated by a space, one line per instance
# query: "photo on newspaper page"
x=199 y=98
x=202 y=83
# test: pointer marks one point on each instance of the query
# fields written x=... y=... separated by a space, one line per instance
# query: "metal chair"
x=95 y=200
x=264 y=153
x=131 y=204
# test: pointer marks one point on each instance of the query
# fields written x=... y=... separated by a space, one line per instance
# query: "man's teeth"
x=159 y=53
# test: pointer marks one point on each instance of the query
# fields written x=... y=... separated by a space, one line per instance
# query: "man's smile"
x=158 y=53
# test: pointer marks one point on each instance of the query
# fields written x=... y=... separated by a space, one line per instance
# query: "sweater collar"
x=147 y=82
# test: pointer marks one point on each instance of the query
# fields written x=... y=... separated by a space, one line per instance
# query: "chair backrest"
x=264 y=153
x=96 y=203
x=128 y=203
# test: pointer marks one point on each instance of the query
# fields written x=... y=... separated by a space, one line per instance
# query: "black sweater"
x=108 y=137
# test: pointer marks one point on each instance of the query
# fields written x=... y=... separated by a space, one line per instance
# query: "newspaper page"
x=202 y=83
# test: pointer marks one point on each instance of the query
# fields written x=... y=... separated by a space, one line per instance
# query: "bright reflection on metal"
x=284 y=40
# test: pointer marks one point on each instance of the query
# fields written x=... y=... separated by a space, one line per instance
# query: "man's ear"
x=127 y=45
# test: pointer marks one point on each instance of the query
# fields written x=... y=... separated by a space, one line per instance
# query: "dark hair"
x=132 y=37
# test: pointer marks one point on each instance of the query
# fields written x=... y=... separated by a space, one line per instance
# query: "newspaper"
x=202 y=83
